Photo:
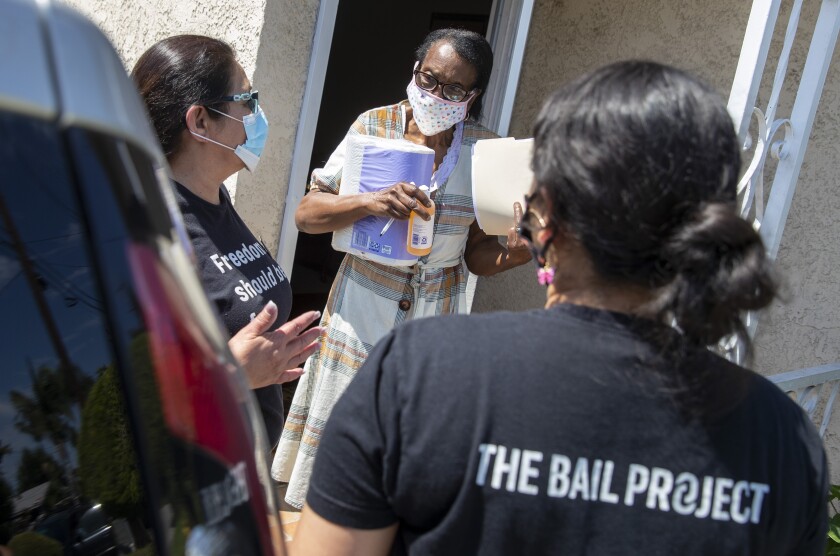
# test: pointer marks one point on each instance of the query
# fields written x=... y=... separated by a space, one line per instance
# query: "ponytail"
x=640 y=162
x=720 y=270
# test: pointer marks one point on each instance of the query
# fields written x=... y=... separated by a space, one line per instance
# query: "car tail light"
x=197 y=387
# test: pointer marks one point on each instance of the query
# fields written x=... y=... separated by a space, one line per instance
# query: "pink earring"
x=545 y=275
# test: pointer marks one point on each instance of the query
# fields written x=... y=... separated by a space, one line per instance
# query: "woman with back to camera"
x=210 y=125
x=592 y=426
x=452 y=68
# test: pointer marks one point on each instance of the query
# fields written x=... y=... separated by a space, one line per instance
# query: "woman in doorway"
x=211 y=126
x=601 y=424
x=368 y=299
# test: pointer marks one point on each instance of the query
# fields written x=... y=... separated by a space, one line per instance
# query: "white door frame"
x=305 y=138
x=507 y=33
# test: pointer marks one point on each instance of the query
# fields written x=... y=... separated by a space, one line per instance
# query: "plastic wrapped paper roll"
x=371 y=164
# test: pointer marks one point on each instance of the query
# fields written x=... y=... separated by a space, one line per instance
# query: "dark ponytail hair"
x=177 y=72
x=640 y=162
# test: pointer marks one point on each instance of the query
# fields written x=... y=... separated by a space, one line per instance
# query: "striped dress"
x=368 y=299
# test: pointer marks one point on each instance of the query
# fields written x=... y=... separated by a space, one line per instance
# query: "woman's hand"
x=484 y=254
x=399 y=200
x=275 y=357
x=320 y=212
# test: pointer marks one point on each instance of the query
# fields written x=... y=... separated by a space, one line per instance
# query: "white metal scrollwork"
x=791 y=148
x=808 y=386
x=751 y=186
x=788 y=150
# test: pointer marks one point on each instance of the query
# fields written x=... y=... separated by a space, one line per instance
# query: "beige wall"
x=273 y=43
x=282 y=63
x=569 y=37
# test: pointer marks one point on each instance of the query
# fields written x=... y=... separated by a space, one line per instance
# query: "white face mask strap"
x=225 y=115
x=216 y=142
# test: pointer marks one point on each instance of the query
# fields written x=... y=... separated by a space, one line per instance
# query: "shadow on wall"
x=514 y=290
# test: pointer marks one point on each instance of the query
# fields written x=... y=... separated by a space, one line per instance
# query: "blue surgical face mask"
x=256 y=133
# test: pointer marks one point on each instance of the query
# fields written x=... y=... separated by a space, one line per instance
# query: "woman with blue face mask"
x=443 y=102
x=210 y=124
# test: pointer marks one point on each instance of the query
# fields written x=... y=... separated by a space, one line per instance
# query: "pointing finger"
x=517 y=214
x=297 y=325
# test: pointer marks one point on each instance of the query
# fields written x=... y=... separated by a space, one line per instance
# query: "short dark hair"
x=641 y=162
x=470 y=46
x=177 y=72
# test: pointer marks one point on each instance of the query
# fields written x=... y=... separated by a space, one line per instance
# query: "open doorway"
x=369 y=65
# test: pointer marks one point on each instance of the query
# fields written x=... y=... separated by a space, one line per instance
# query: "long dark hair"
x=176 y=73
x=641 y=163
x=470 y=46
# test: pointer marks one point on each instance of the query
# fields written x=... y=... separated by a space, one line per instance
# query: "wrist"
x=368 y=205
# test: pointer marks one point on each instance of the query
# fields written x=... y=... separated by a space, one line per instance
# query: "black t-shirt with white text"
x=567 y=431
x=239 y=276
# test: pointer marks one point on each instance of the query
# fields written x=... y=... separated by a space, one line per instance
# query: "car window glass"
x=58 y=382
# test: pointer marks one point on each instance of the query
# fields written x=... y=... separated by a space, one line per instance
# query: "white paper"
x=501 y=176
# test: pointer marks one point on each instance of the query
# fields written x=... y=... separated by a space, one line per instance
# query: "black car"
x=117 y=391
x=84 y=530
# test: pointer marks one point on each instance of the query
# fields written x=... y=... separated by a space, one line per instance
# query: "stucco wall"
x=273 y=43
x=282 y=63
x=569 y=37
x=135 y=25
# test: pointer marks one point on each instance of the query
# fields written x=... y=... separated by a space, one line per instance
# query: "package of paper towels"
x=371 y=164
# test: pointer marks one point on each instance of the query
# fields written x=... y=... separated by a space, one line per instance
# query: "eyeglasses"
x=452 y=92
x=251 y=98
x=525 y=226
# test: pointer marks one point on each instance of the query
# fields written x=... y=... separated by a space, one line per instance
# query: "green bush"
x=832 y=547
x=30 y=543
x=107 y=461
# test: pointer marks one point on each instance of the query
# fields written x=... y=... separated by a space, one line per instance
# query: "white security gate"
x=785 y=138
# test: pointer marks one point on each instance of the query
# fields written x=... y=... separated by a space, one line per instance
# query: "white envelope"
x=501 y=175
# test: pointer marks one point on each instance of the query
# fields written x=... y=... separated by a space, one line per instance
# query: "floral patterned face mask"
x=432 y=114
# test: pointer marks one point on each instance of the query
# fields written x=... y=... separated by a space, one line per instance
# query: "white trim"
x=305 y=137
x=805 y=106
x=510 y=21
x=784 y=60
x=808 y=385
x=757 y=39
x=515 y=68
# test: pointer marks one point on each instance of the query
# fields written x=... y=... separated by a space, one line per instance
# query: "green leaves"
x=834 y=530
x=832 y=547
